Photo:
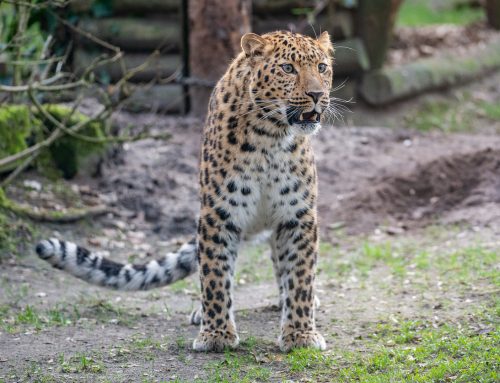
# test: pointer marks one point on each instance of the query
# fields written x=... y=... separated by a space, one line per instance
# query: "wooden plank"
x=374 y=24
x=157 y=98
x=268 y=7
x=160 y=67
x=134 y=34
x=130 y=6
x=340 y=26
x=390 y=84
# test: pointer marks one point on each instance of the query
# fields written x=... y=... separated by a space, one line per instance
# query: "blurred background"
x=102 y=105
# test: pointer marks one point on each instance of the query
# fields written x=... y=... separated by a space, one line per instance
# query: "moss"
x=21 y=126
x=68 y=152
x=14 y=129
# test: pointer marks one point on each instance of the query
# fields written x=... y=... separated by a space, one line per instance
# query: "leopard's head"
x=291 y=78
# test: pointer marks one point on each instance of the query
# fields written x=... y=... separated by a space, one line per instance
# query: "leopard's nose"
x=315 y=96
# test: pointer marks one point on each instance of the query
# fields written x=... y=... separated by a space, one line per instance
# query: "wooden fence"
x=140 y=27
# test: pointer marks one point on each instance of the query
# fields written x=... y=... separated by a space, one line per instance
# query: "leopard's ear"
x=325 y=42
x=253 y=44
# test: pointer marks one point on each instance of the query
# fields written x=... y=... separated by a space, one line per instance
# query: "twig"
x=19 y=169
x=41 y=87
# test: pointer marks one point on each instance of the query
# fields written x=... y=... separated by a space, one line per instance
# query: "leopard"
x=257 y=173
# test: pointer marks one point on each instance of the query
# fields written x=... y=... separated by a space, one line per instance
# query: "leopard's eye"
x=287 y=68
x=321 y=67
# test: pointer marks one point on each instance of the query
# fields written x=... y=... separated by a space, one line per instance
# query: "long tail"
x=96 y=269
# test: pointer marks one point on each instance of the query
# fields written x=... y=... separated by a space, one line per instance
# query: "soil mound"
x=430 y=190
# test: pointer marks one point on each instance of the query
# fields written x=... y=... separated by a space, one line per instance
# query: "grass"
x=14 y=318
x=254 y=265
x=81 y=363
x=14 y=321
x=455 y=114
x=236 y=368
x=426 y=354
x=415 y=13
x=410 y=351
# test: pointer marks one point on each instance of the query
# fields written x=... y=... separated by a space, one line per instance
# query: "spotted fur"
x=257 y=172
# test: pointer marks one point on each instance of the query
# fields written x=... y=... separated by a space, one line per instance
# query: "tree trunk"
x=215 y=30
x=375 y=22
x=493 y=13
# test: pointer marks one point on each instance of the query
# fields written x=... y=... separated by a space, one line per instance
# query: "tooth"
x=301 y=117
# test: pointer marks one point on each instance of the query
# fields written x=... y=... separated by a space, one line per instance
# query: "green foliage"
x=414 y=13
x=21 y=126
x=31 y=43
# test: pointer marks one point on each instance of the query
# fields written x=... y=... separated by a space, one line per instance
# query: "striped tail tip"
x=45 y=249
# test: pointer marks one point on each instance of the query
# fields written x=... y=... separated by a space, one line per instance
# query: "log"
x=160 y=67
x=216 y=27
x=158 y=98
x=350 y=57
x=135 y=34
x=340 y=26
x=390 y=84
x=493 y=13
x=375 y=23
x=267 y=7
x=130 y=6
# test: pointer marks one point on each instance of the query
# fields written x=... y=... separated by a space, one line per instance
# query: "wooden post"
x=493 y=13
x=375 y=22
x=215 y=30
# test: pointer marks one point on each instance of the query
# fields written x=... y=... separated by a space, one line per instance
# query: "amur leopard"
x=257 y=172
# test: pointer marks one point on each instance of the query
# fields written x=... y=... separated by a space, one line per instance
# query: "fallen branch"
x=44 y=215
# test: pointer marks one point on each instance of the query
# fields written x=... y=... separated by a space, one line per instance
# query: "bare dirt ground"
x=411 y=228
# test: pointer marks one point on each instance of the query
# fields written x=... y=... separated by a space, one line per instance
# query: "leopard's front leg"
x=296 y=243
x=218 y=244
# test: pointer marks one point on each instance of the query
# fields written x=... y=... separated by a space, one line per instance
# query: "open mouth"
x=311 y=117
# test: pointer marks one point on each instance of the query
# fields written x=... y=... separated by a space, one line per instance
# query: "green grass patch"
x=411 y=351
x=29 y=317
x=236 y=368
x=456 y=268
x=81 y=363
x=415 y=13
x=456 y=114
x=425 y=354
x=254 y=265
x=14 y=319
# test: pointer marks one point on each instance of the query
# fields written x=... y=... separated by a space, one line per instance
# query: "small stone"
x=32 y=184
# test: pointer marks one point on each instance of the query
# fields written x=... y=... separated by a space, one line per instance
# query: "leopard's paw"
x=215 y=341
x=196 y=316
x=299 y=339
